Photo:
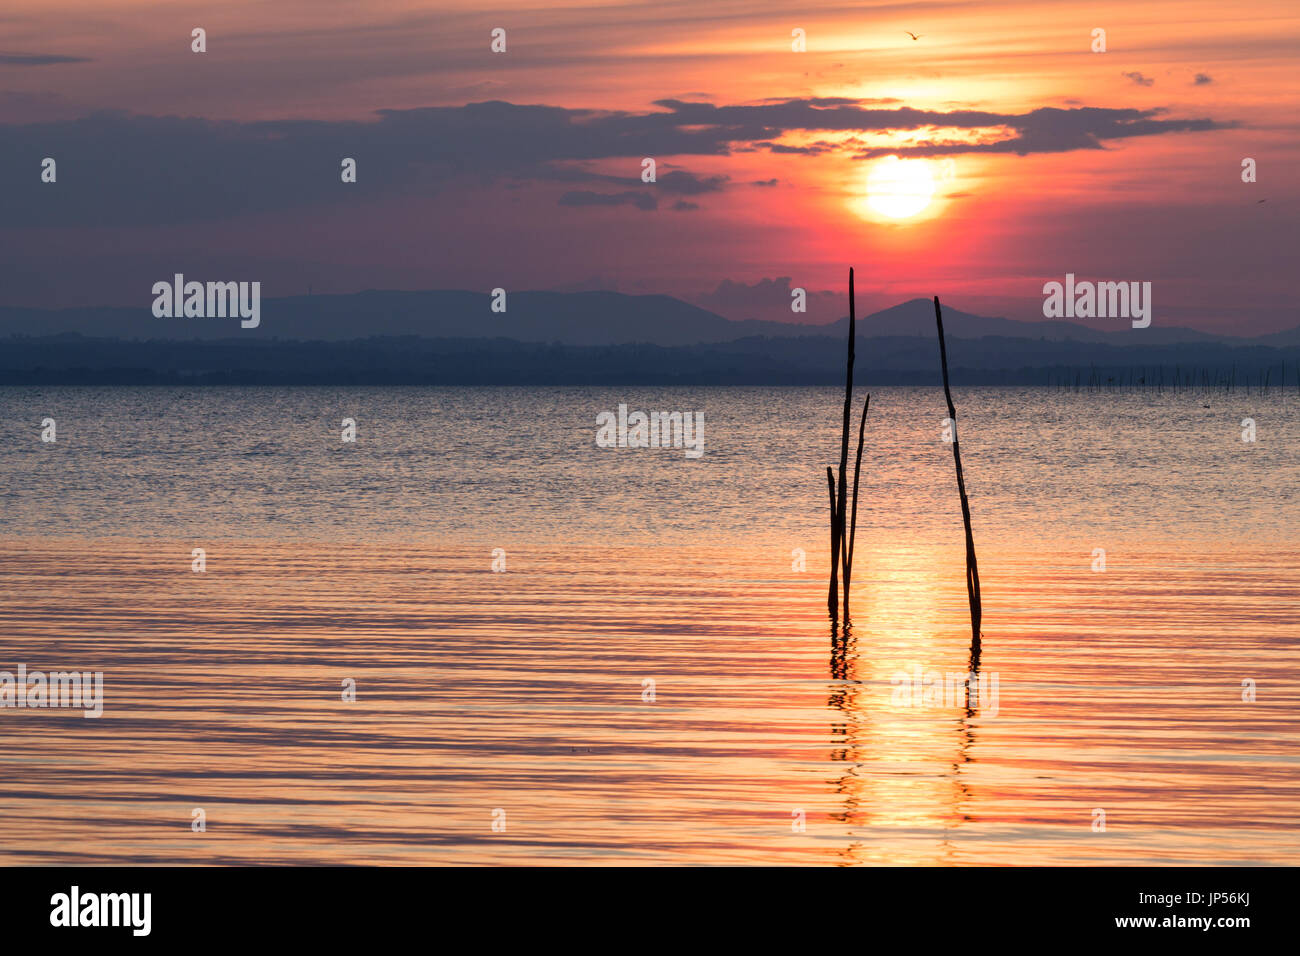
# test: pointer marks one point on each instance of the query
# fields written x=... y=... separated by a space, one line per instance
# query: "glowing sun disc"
x=899 y=188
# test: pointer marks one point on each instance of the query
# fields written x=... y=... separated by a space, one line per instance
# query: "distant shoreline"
x=72 y=359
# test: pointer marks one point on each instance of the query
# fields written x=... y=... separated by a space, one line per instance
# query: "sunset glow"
x=773 y=149
x=900 y=188
x=437 y=433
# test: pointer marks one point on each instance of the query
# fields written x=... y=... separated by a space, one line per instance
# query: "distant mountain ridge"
x=569 y=318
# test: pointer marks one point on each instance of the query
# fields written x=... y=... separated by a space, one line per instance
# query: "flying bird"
x=913 y=35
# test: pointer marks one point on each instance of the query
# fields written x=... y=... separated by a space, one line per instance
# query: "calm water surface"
x=1117 y=690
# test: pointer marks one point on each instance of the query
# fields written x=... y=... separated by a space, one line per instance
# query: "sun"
x=899 y=188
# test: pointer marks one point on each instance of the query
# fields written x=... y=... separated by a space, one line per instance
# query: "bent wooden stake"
x=972 y=568
x=853 y=517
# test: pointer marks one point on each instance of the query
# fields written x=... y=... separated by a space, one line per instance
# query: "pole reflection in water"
x=849 y=697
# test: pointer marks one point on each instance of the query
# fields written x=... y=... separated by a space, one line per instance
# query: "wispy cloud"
x=645 y=201
x=688 y=184
x=39 y=59
x=1050 y=130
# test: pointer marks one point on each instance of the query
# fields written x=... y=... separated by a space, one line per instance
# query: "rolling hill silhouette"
x=571 y=318
x=552 y=338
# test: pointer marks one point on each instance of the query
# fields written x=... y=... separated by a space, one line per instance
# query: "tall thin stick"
x=972 y=569
x=841 y=510
x=853 y=522
x=832 y=598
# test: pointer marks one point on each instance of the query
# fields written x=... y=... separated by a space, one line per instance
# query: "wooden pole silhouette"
x=972 y=569
x=832 y=598
x=842 y=532
x=842 y=497
x=853 y=520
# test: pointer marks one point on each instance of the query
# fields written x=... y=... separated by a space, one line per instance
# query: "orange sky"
x=1167 y=207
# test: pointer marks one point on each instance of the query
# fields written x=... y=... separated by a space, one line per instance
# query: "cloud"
x=767 y=298
x=686 y=184
x=1203 y=79
x=683 y=206
x=764 y=182
x=794 y=150
x=678 y=182
x=39 y=59
x=761 y=294
x=1139 y=79
x=120 y=170
x=1051 y=130
x=642 y=200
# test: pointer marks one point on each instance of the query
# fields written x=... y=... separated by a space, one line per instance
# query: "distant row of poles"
x=1093 y=379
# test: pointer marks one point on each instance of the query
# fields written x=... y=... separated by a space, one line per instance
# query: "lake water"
x=523 y=698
